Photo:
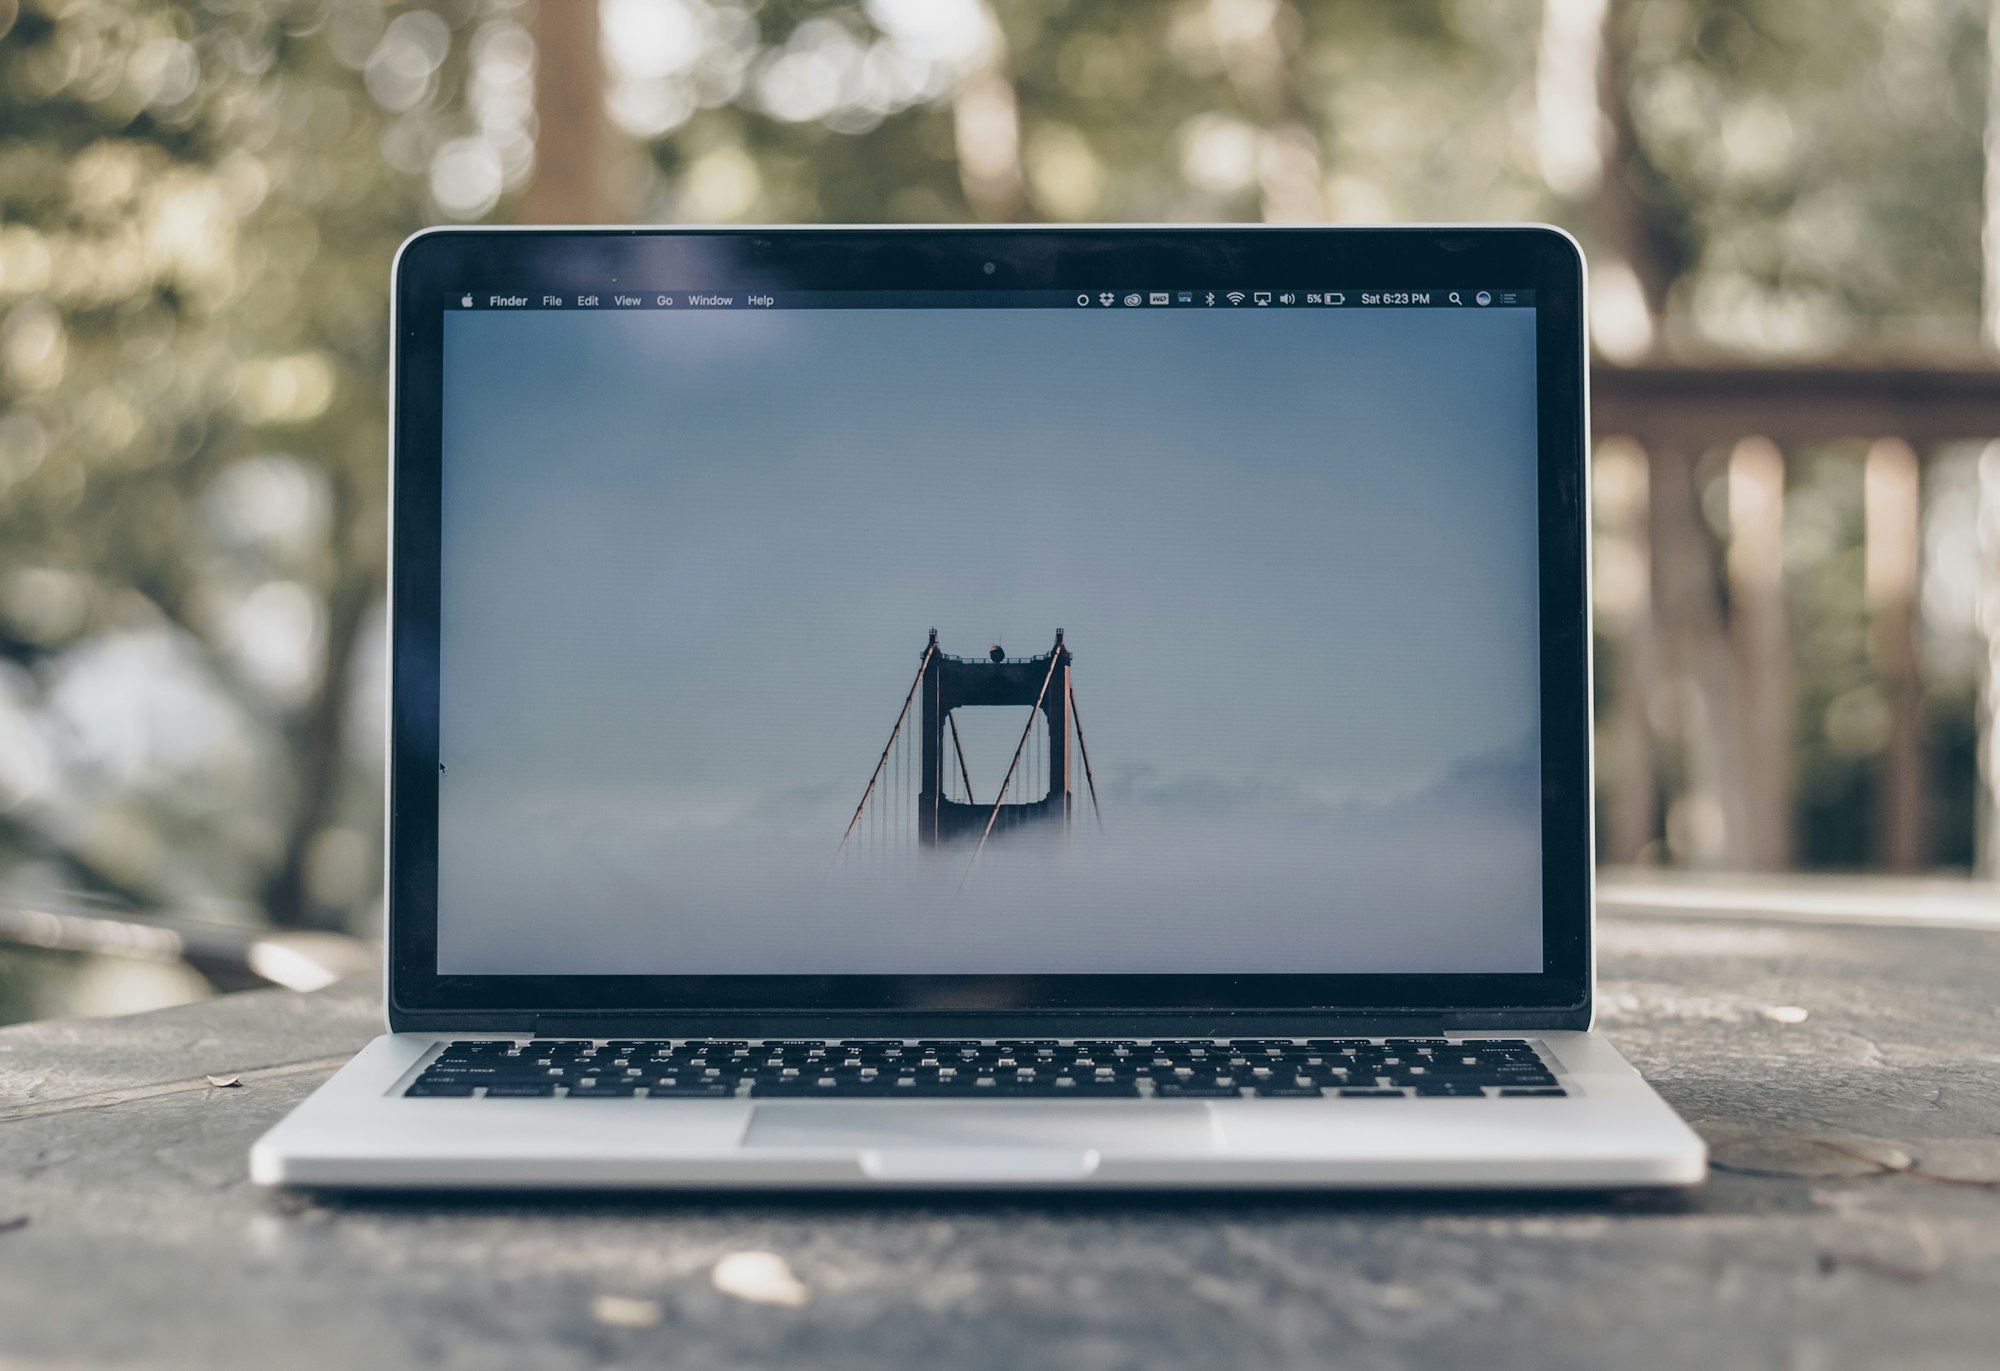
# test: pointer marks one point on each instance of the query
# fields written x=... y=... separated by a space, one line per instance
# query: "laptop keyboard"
x=1015 y=1068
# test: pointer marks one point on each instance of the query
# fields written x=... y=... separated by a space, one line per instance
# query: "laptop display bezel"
x=438 y=264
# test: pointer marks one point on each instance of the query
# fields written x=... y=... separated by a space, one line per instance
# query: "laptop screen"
x=1125 y=631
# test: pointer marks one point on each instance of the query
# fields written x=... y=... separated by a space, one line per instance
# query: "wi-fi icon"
x=1237 y=297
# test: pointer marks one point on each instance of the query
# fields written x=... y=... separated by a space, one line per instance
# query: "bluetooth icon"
x=1211 y=297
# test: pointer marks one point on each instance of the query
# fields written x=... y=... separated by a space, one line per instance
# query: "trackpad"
x=1141 y=1128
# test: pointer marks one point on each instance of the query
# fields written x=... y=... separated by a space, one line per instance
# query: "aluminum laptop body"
x=1096 y=707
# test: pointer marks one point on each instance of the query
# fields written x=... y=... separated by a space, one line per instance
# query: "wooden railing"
x=1705 y=406
x=1697 y=682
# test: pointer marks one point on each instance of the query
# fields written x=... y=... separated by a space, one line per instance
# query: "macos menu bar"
x=1476 y=297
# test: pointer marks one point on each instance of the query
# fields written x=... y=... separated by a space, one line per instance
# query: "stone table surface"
x=1853 y=1218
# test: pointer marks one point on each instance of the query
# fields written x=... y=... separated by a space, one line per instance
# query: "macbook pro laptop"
x=981 y=707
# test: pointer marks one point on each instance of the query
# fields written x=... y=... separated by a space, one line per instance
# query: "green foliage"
x=1818 y=170
x=199 y=203
x=198 y=228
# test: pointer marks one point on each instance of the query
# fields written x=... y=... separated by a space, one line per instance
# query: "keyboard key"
x=1535 y=1093
x=689 y=1092
x=1196 y=1092
x=1372 y=1095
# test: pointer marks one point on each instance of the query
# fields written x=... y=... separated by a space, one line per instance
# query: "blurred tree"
x=1786 y=186
x=571 y=182
x=199 y=203
x=924 y=110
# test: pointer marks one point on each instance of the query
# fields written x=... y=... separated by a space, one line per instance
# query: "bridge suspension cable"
x=1090 y=780
x=881 y=762
x=959 y=748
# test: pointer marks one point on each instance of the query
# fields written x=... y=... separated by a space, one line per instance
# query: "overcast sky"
x=703 y=550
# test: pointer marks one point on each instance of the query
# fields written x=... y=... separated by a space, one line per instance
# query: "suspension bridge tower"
x=949 y=683
x=944 y=802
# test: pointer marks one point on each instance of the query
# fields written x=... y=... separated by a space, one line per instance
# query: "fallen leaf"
x=621 y=1311
x=225 y=1082
x=760 y=1278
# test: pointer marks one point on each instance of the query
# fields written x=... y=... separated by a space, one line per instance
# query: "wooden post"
x=1761 y=638
x=1706 y=824
x=1987 y=839
x=1890 y=490
x=571 y=180
x=1990 y=235
x=1622 y=584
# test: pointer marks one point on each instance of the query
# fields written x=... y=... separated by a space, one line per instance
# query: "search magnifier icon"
x=1453 y=297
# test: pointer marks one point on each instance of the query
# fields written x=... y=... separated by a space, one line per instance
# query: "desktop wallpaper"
x=691 y=563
